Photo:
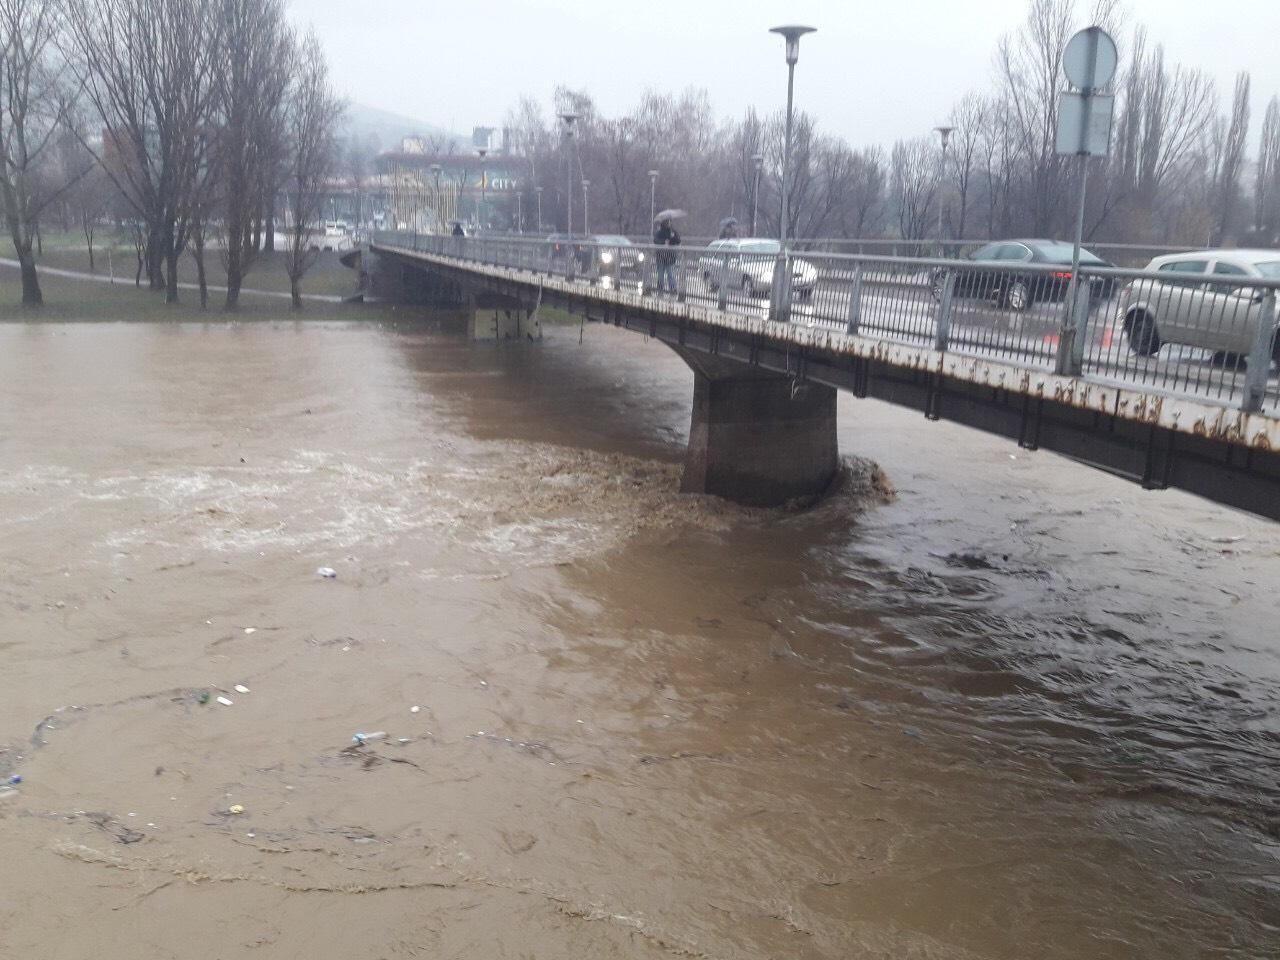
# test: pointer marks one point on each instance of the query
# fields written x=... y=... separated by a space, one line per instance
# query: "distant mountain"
x=386 y=128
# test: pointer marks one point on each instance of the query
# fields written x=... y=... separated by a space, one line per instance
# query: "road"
x=903 y=308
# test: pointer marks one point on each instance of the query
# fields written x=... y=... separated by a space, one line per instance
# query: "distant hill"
x=365 y=122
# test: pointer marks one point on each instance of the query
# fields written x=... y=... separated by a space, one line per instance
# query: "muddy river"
x=982 y=704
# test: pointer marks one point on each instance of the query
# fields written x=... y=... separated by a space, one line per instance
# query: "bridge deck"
x=1147 y=405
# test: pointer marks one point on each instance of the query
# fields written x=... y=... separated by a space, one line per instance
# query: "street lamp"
x=567 y=119
x=537 y=192
x=757 y=160
x=653 y=193
x=945 y=134
x=484 y=190
x=520 y=211
x=437 y=169
x=586 y=206
x=782 y=275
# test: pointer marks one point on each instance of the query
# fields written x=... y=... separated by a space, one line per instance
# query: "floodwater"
x=1022 y=709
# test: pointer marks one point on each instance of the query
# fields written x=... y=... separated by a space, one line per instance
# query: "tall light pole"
x=757 y=161
x=567 y=119
x=945 y=134
x=781 y=274
x=437 y=169
x=586 y=205
x=484 y=190
x=519 y=211
x=537 y=192
x=653 y=193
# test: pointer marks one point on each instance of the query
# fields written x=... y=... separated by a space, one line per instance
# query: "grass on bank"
x=71 y=299
x=68 y=251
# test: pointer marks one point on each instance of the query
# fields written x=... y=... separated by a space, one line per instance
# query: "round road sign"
x=1090 y=59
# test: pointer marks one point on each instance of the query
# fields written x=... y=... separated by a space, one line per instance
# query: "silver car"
x=747 y=265
x=1206 y=302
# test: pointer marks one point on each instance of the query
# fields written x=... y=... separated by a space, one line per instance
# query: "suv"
x=1205 y=302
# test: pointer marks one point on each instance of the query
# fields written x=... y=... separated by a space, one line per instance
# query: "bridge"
x=771 y=337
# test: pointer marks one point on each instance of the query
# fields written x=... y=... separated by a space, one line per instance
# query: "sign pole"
x=1079 y=291
x=1084 y=129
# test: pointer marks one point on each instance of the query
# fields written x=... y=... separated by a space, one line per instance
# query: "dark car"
x=1006 y=283
x=616 y=259
x=565 y=245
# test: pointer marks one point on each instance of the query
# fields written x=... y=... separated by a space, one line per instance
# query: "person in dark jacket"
x=665 y=260
x=458 y=231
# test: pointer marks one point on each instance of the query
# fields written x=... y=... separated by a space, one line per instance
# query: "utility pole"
x=757 y=161
x=653 y=193
x=567 y=119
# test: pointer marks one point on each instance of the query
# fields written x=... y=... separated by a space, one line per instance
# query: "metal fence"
x=1210 y=336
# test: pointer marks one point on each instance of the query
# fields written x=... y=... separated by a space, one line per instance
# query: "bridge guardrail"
x=1208 y=336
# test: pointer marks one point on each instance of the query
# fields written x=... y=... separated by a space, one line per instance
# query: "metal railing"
x=1209 y=336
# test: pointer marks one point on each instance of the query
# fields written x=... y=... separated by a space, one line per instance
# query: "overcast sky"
x=876 y=70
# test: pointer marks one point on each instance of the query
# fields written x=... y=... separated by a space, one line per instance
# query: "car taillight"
x=1062 y=274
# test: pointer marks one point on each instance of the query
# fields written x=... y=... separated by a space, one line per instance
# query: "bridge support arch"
x=758 y=438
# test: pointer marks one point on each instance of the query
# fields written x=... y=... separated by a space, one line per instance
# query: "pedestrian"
x=665 y=260
x=728 y=229
x=457 y=229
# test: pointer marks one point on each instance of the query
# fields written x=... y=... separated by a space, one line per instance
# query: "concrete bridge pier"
x=758 y=438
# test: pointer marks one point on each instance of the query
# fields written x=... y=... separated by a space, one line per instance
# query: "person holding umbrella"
x=666 y=236
x=728 y=228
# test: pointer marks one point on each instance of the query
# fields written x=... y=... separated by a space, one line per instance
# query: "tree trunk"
x=235 y=269
x=31 y=295
x=155 y=260
x=197 y=252
x=87 y=226
x=269 y=233
x=204 y=287
x=171 y=270
x=295 y=292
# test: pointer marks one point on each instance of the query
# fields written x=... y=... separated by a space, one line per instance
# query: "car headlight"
x=606 y=257
x=639 y=258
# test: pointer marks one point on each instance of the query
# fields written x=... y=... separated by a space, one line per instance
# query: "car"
x=615 y=259
x=1007 y=283
x=747 y=264
x=1202 y=299
x=563 y=245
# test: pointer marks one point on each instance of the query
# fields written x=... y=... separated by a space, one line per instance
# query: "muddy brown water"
x=1023 y=709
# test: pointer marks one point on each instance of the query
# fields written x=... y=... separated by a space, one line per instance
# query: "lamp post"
x=537 y=192
x=653 y=193
x=586 y=206
x=520 y=211
x=945 y=134
x=757 y=161
x=437 y=169
x=567 y=119
x=781 y=273
x=484 y=191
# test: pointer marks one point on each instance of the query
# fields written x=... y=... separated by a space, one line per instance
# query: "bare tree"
x=1228 y=153
x=970 y=120
x=149 y=67
x=30 y=111
x=915 y=185
x=1266 y=191
x=1030 y=66
x=311 y=124
x=256 y=60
